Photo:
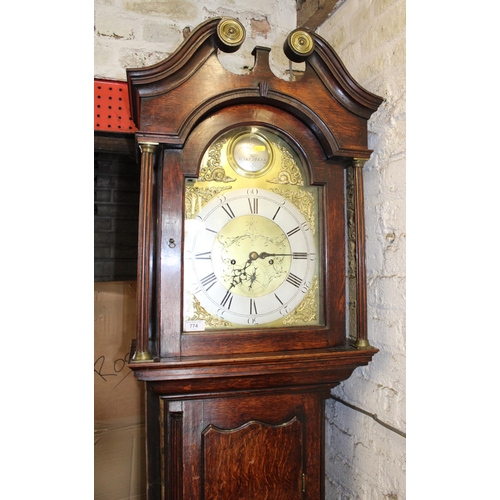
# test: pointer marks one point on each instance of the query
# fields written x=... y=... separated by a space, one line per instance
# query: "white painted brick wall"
x=132 y=34
x=366 y=460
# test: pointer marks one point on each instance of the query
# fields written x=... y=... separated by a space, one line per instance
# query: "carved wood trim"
x=351 y=254
x=175 y=461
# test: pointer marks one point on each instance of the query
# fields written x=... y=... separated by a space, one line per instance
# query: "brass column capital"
x=148 y=147
x=359 y=162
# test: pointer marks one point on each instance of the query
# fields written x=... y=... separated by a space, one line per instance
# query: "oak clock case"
x=250 y=224
x=252 y=237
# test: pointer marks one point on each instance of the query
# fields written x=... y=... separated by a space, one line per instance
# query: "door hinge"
x=303 y=483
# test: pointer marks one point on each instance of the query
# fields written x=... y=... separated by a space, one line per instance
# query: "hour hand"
x=254 y=255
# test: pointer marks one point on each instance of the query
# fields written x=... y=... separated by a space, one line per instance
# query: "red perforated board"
x=111 y=107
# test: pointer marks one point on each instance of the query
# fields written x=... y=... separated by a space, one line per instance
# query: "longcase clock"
x=251 y=248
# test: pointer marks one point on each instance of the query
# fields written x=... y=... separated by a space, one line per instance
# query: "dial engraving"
x=240 y=266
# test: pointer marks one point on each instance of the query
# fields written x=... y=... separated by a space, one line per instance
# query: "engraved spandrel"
x=304 y=201
x=213 y=169
x=290 y=172
x=305 y=312
x=200 y=313
x=197 y=197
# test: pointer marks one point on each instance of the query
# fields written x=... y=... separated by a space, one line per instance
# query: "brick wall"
x=116 y=211
x=136 y=33
x=366 y=417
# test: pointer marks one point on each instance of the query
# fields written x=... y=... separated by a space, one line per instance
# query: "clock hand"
x=240 y=274
x=263 y=255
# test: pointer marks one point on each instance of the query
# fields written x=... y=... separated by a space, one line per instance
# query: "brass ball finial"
x=301 y=42
x=231 y=32
x=299 y=45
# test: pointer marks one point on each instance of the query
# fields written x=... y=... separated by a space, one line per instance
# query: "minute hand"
x=263 y=255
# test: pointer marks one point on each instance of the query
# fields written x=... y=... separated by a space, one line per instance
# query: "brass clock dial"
x=251 y=254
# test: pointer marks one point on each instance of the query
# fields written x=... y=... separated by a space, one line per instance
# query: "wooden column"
x=359 y=224
x=144 y=270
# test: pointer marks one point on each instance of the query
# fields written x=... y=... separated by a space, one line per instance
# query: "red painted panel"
x=111 y=107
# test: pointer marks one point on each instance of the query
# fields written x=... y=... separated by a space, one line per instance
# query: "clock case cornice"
x=187 y=75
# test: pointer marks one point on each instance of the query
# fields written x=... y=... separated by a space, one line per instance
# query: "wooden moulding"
x=310 y=368
x=326 y=97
